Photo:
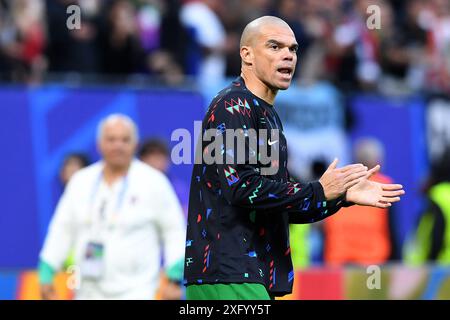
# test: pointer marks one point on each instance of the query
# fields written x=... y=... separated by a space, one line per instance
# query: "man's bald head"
x=255 y=27
x=114 y=119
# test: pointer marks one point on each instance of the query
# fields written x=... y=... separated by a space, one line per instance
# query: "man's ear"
x=246 y=55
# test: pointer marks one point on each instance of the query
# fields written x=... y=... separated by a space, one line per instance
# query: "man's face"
x=69 y=169
x=117 y=144
x=275 y=56
x=157 y=160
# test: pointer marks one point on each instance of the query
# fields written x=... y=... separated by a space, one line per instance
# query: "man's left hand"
x=375 y=194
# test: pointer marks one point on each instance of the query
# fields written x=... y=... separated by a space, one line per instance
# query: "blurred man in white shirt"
x=116 y=216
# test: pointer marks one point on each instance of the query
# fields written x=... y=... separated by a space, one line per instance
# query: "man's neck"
x=258 y=88
x=112 y=174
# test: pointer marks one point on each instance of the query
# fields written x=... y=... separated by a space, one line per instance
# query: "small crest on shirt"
x=133 y=200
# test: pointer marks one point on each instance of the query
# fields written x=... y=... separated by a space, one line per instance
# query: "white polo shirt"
x=132 y=219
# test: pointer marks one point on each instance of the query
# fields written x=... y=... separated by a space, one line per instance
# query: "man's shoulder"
x=87 y=173
x=234 y=90
x=230 y=102
x=146 y=173
x=85 y=177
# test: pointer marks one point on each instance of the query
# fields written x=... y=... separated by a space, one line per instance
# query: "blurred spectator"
x=412 y=36
x=318 y=21
x=72 y=50
x=361 y=235
x=71 y=164
x=168 y=61
x=207 y=33
x=121 y=49
x=393 y=55
x=437 y=21
x=358 y=47
x=116 y=216
x=431 y=239
x=149 y=20
x=155 y=153
x=22 y=41
x=162 y=64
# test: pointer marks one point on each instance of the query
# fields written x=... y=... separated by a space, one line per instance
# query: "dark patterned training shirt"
x=238 y=221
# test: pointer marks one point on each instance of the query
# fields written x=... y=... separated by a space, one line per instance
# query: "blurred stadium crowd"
x=120 y=39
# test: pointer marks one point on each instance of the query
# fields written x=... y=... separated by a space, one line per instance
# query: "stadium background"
x=390 y=83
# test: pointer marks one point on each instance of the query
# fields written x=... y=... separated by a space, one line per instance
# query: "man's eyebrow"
x=273 y=41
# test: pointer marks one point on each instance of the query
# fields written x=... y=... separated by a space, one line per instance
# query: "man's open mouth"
x=286 y=70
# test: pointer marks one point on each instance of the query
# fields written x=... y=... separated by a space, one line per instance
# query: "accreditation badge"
x=93 y=263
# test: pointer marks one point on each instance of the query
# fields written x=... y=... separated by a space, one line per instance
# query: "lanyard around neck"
x=122 y=192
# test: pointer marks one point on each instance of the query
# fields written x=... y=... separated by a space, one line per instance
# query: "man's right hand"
x=336 y=181
x=48 y=292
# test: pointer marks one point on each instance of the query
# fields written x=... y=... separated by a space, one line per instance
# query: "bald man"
x=111 y=218
x=240 y=206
